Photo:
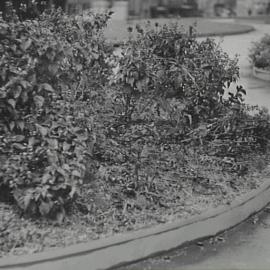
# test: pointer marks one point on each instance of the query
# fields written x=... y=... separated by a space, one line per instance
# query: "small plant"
x=260 y=53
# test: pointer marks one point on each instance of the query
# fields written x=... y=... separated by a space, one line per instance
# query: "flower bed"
x=94 y=144
x=262 y=74
x=260 y=57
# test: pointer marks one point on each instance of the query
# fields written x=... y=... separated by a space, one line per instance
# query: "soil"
x=105 y=209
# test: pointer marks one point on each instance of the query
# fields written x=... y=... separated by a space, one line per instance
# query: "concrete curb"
x=254 y=19
x=261 y=74
x=248 y=29
x=229 y=33
x=130 y=247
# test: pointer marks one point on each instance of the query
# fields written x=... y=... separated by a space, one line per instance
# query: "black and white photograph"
x=134 y=134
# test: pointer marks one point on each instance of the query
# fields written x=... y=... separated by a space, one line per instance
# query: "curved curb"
x=130 y=247
x=229 y=33
x=246 y=29
x=261 y=74
x=264 y=19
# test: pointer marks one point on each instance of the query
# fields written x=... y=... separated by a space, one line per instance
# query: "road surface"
x=246 y=247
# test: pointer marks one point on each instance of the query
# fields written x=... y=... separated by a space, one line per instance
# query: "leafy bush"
x=260 y=53
x=173 y=88
x=170 y=70
x=71 y=109
x=48 y=68
x=26 y=9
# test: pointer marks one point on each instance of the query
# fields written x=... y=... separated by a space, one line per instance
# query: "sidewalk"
x=245 y=247
x=258 y=91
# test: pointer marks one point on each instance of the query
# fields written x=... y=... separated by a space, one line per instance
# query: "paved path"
x=258 y=90
x=247 y=246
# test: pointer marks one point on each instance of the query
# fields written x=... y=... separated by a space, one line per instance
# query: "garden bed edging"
x=261 y=74
x=130 y=247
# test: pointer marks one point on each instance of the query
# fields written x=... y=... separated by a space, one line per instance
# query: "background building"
x=120 y=8
x=136 y=8
x=155 y=8
x=223 y=8
x=124 y=9
x=226 y=8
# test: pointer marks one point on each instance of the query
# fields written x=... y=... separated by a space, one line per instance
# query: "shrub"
x=26 y=9
x=260 y=53
x=68 y=103
x=48 y=68
x=173 y=88
x=171 y=70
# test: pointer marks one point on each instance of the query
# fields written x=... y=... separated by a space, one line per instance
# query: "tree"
x=28 y=9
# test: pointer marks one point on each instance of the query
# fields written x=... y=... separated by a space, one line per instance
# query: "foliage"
x=260 y=53
x=172 y=93
x=168 y=74
x=27 y=9
x=47 y=67
x=72 y=111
